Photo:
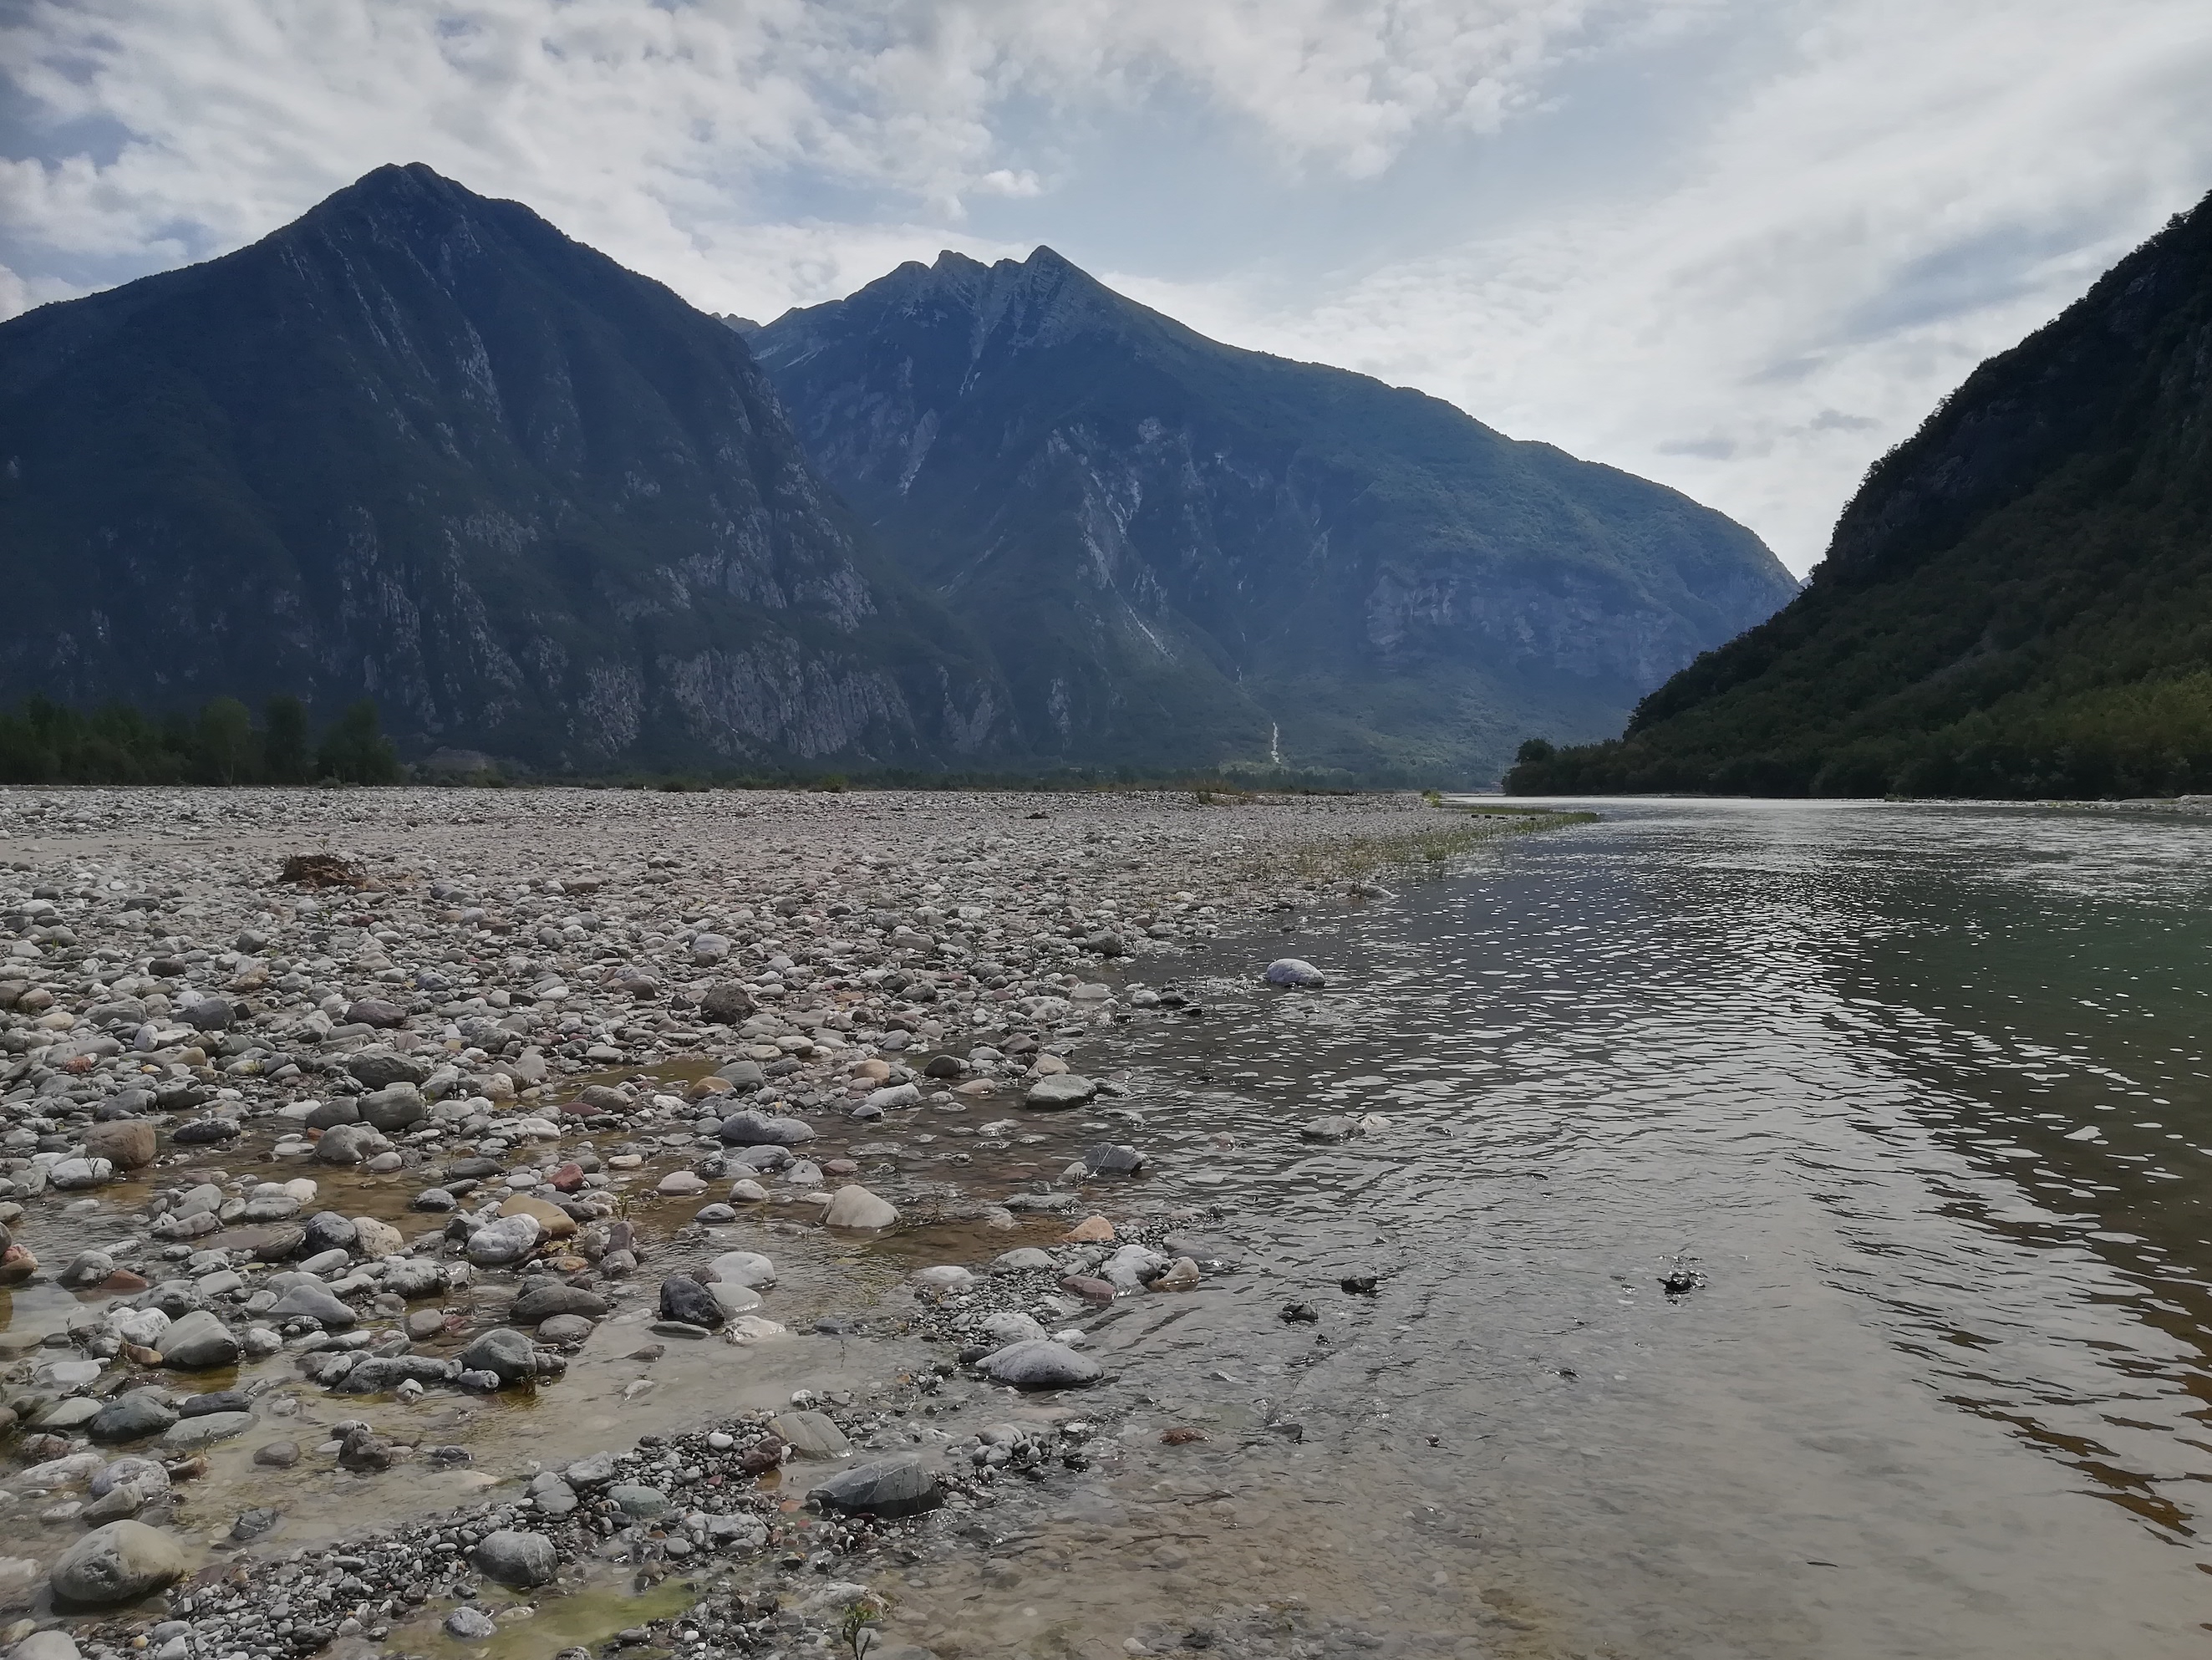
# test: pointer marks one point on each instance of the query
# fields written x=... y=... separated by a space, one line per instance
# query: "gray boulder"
x=1294 y=973
x=119 y=1563
x=129 y=1417
x=891 y=1487
x=394 y=1108
x=188 y=1434
x=508 y=1240
x=313 y=1302
x=684 y=1299
x=198 y=1343
x=1057 y=1090
x=1036 y=1365
x=854 y=1206
x=513 y=1558
x=381 y=1068
x=350 y=1144
x=504 y=1351
x=542 y=1303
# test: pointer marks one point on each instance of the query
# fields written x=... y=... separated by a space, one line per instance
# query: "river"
x=1918 y=1092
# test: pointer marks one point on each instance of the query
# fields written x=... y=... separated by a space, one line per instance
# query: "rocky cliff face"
x=1184 y=553
x=420 y=444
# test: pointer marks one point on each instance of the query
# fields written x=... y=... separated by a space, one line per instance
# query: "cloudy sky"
x=1740 y=246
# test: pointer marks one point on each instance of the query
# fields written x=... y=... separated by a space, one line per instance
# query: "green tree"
x=284 y=754
x=354 y=750
x=225 y=746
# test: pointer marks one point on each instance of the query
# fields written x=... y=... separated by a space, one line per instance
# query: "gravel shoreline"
x=583 y=1033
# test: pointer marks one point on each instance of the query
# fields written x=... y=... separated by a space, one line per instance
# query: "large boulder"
x=684 y=1299
x=393 y=1108
x=125 y=1143
x=511 y=1557
x=198 y=1343
x=1058 y=1089
x=1293 y=973
x=119 y=1563
x=725 y=1003
x=350 y=1144
x=890 y=1487
x=381 y=1068
x=310 y=1301
x=509 y=1239
x=504 y=1351
x=547 y=1301
x=1040 y=1366
x=854 y=1207
x=761 y=1129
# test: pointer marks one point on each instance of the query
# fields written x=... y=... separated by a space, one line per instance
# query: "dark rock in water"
x=504 y=1351
x=759 y=1129
x=119 y=1563
x=198 y=1406
x=685 y=1299
x=1114 y=1160
x=742 y=1075
x=314 y=1303
x=1059 y=1090
x=893 y=1487
x=945 y=1067
x=129 y=1417
x=470 y=1624
x=364 y=1452
x=513 y=1558
x=328 y=1231
x=541 y=1302
x=201 y=1131
x=379 y=1373
x=1300 y=1313
x=1293 y=972
x=341 y=1109
x=251 y=1524
x=1331 y=1128
x=1359 y=1285
x=278 y=1455
x=1041 y=1364
x=198 y=1343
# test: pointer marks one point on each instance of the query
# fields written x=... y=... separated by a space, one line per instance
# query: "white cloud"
x=1781 y=227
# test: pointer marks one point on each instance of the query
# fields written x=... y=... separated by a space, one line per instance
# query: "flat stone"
x=118 y=1563
x=891 y=1487
x=1040 y=1366
x=187 y=1433
x=1293 y=973
x=810 y=1434
x=1059 y=1090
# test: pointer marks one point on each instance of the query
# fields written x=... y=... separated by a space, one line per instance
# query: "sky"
x=1741 y=246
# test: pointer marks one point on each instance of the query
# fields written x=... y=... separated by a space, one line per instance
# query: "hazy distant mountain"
x=1183 y=552
x=420 y=444
x=2018 y=602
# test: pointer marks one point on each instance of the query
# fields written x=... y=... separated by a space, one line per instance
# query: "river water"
x=1919 y=1092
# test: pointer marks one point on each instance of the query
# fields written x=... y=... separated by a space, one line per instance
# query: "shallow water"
x=1920 y=1091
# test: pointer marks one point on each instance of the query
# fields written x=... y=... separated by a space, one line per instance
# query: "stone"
x=1056 y=1091
x=393 y=1108
x=119 y=1562
x=742 y=1267
x=328 y=1231
x=854 y=1207
x=198 y=1343
x=203 y=1130
x=376 y=1012
x=1090 y=1231
x=377 y=1240
x=681 y=1184
x=131 y=1417
x=725 y=1003
x=278 y=1455
x=553 y=1222
x=1008 y=1328
x=1292 y=972
x=891 y=1487
x=187 y=1434
x=636 y=1499
x=313 y=1302
x=508 y=1240
x=381 y=1068
x=760 y=1129
x=592 y=1471
x=470 y=1624
x=72 y=1174
x=566 y=1329
x=1181 y=1275
x=684 y=1299
x=1040 y=1366
x=511 y=1557
x=503 y=1351
x=1331 y=1127
x=350 y=1144
x=209 y=1014
x=810 y=1434
x=1023 y=1258
x=52 y=1645
x=125 y=1143
x=544 y=1302
x=1113 y=1159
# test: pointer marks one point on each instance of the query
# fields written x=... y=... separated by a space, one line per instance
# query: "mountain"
x=420 y=446
x=2017 y=603
x=1182 y=553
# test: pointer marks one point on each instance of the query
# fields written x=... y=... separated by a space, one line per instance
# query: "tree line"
x=43 y=742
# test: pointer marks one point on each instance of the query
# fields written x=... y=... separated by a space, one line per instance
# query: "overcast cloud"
x=1740 y=246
